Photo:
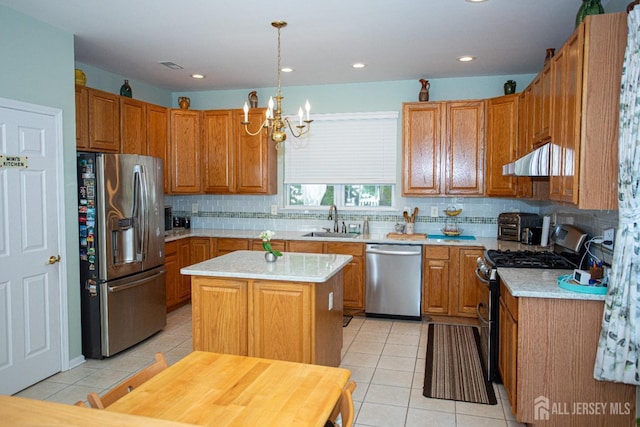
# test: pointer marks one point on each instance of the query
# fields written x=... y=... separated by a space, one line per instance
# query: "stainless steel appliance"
x=393 y=281
x=565 y=256
x=510 y=224
x=121 y=250
x=536 y=163
x=531 y=235
x=168 y=219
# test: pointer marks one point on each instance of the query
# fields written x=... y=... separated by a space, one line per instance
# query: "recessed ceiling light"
x=197 y=76
x=358 y=65
x=476 y=1
x=286 y=69
x=466 y=58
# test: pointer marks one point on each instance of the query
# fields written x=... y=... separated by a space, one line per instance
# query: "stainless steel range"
x=568 y=242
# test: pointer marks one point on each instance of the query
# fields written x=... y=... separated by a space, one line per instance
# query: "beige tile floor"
x=386 y=359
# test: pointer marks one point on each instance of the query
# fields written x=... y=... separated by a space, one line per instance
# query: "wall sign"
x=21 y=162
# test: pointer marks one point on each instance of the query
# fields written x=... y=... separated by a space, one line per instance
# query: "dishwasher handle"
x=384 y=252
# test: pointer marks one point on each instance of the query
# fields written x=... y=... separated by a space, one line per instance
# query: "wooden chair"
x=344 y=407
x=80 y=403
x=127 y=385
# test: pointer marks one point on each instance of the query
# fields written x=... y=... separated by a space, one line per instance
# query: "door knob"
x=53 y=259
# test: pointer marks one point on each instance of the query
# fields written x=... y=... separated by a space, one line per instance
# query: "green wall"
x=358 y=97
x=37 y=67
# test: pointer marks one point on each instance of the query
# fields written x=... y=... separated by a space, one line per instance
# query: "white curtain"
x=617 y=354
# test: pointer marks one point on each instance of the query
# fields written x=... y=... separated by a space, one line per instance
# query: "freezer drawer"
x=133 y=308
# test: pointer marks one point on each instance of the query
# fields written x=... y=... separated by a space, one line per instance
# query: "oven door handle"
x=482 y=279
x=482 y=319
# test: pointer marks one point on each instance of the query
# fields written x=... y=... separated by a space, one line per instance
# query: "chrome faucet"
x=334 y=217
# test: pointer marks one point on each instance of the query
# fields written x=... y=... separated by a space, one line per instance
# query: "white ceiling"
x=233 y=43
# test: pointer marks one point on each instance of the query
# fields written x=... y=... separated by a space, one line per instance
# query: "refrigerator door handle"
x=134 y=284
x=138 y=210
x=144 y=212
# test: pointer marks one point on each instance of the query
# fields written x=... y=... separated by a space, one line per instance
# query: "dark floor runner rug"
x=345 y=320
x=454 y=369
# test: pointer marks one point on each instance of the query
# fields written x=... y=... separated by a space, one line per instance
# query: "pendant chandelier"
x=274 y=121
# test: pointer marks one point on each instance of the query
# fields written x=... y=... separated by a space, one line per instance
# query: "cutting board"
x=400 y=236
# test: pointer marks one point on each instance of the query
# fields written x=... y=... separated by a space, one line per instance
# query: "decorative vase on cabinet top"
x=81 y=77
x=509 y=87
x=269 y=257
x=423 y=96
x=588 y=7
x=184 y=102
x=125 y=89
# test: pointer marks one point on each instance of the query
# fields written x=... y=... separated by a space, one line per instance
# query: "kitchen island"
x=290 y=309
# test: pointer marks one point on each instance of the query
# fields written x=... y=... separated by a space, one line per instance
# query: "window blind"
x=353 y=148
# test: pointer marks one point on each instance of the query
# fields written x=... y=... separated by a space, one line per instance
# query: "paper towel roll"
x=546 y=224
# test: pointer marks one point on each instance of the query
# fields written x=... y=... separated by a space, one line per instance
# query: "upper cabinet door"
x=464 y=146
x=256 y=156
x=104 y=121
x=421 y=148
x=82 y=118
x=502 y=143
x=133 y=126
x=218 y=146
x=185 y=151
x=158 y=138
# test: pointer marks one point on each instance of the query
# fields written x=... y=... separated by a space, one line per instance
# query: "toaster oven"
x=511 y=224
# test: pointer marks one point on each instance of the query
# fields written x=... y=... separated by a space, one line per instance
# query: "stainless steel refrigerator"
x=121 y=224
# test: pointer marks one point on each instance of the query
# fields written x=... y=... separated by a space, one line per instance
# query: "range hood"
x=536 y=163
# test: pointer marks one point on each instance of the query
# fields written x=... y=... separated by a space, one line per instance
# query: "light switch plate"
x=434 y=211
x=194 y=208
x=274 y=209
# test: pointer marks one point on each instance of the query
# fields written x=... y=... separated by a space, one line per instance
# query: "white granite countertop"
x=522 y=282
x=484 y=242
x=536 y=283
x=290 y=267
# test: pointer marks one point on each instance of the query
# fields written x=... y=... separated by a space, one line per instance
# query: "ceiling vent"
x=171 y=65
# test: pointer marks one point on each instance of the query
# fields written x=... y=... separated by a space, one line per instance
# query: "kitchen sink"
x=331 y=234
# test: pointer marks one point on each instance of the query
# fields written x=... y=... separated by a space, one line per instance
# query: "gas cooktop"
x=529 y=259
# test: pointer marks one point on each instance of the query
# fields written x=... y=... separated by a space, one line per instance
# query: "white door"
x=30 y=282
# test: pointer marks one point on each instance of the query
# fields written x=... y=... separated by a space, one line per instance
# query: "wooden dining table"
x=216 y=389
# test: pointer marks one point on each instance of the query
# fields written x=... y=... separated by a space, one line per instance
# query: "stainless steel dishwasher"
x=393 y=281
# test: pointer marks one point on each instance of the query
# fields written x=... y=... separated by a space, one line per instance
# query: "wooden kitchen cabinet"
x=354 y=272
x=235 y=162
x=449 y=281
x=543 y=343
x=465 y=136
x=82 y=118
x=224 y=245
x=184 y=157
x=172 y=279
x=269 y=319
x=539 y=131
x=220 y=315
x=443 y=148
x=524 y=184
x=158 y=138
x=184 y=260
x=305 y=246
x=508 y=344
x=255 y=163
x=502 y=144
x=585 y=93
x=177 y=254
x=421 y=148
x=218 y=153
x=435 y=280
x=133 y=126
x=97 y=120
x=279 y=245
x=200 y=249
x=466 y=294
